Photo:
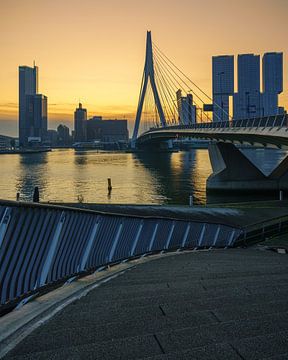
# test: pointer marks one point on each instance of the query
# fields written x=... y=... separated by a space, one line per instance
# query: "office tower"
x=248 y=73
x=247 y=102
x=272 y=72
x=272 y=77
x=186 y=109
x=35 y=118
x=223 y=85
x=28 y=85
x=80 y=120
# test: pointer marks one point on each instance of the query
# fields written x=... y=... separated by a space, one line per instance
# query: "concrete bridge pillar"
x=233 y=171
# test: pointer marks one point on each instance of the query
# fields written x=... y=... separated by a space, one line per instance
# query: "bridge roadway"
x=269 y=132
x=217 y=304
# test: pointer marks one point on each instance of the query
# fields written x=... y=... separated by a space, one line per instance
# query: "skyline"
x=109 y=85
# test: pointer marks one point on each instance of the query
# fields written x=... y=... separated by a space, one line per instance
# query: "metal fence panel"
x=40 y=245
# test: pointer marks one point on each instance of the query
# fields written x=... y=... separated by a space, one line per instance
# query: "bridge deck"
x=223 y=304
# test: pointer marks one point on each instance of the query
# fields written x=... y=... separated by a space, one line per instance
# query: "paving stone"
x=224 y=304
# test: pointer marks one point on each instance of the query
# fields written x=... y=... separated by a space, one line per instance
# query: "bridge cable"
x=190 y=80
x=191 y=90
x=170 y=75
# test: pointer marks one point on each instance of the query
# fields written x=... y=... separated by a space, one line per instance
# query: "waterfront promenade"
x=217 y=304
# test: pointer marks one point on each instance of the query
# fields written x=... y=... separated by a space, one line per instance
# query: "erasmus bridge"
x=160 y=121
x=112 y=282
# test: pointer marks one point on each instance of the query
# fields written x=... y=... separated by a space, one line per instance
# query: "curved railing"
x=42 y=245
x=263 y=122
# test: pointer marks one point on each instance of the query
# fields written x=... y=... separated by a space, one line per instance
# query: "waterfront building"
x=247 y=102
x=272 y=78
x=222 y=85
x=80 y=124
x=36 y=118
x=107 y=131
x=6 y=142
x=28 y=85
x=63 y=135
x=186 y=109
x=52 y=138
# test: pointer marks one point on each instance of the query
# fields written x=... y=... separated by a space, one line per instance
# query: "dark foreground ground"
x=221 y=304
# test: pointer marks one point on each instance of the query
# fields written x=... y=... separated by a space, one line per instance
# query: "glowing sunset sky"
x=94 y=50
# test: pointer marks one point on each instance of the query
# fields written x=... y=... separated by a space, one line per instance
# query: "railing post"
x=117 y=237
x=4 y=224
x=153 y=237
x=202 y=235
x=216 y=235
x=51 y=252
x=284 y=116
x=170 y=235
x=136 y=239
x=185 y=236
x=89 y=245
x=231 y=237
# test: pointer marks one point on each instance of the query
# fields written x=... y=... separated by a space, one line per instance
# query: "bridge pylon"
x=148 y=74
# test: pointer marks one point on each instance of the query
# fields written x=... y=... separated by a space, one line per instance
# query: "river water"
x=70 y=176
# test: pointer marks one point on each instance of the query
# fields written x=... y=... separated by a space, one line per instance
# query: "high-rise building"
x=36 y=118
x=248 y=73
x=247 y=102
x=28 y=85
x=272 y=72
x=186 y=109
x=272 y=77
x=223 y=85
x=80 y=124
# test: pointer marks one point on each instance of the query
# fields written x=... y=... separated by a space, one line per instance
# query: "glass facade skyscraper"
x=272 y=73
x=247 y=101
x=28 y=85
x=223 y=85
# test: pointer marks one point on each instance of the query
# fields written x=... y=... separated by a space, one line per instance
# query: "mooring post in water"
x=109 y=185
x=281 y=195
x=36 y=194
x=17 y=196
x=191 y=200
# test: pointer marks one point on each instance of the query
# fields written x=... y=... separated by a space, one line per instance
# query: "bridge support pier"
x=233 y=171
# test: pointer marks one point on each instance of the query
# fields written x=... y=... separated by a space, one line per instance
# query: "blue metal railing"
x=41 y=245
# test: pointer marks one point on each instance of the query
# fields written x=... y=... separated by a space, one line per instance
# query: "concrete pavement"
x=220 y=304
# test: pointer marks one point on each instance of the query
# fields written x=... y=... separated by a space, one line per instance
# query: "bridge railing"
x=44 y=245
x=263 y=122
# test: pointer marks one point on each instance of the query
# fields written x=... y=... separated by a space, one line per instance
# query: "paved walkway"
x=222 y=304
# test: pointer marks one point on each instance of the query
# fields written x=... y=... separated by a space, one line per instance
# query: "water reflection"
x=30 y=171
x=64 y=175
x=179 y=174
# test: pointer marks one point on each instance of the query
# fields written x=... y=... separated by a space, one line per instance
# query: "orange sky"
x=94 y=50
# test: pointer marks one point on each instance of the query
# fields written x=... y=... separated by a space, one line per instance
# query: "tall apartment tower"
x=36 y=117
x=186 y=109
x=80 y=123
x=28 y=85
x=272 y=77
x=223 y=85
x=247 y=102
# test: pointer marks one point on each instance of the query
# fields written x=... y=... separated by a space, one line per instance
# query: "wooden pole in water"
x=36 y=194
x=109 y=185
